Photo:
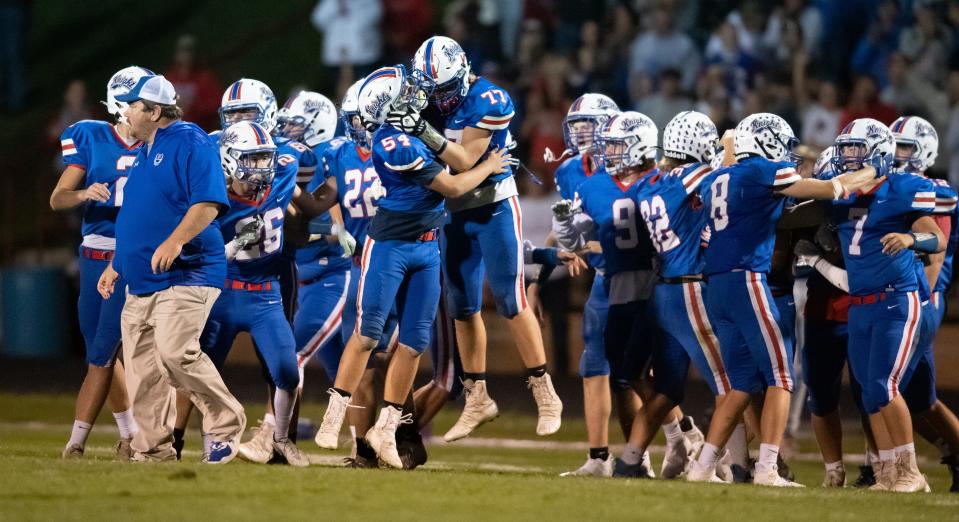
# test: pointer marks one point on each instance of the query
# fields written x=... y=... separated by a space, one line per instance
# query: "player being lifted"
x=483 y=235
x=97 y=154
x=401 y=244
x=745 y=202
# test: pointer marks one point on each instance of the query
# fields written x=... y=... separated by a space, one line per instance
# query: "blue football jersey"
x=946 y=205
x=616 y=223
x=675 y=218
x=406 y=167
x=358 y=186
x=864 y=219
x=299 y=163
x=95 y=147
x=569 y=176
x=485 y=106
x=260 y=261
x=743 y=210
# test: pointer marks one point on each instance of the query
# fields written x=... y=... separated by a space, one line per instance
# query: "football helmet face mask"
x=307 y=117
x=443 y=61
x=862 y=142
x=248 y=100
x=917 y=144
x=120 y=83
x=350 y=114
x=390 y=89
x=766 y=135
x=588 y=113
x=625 y=141
x=248 y=155
x=690 y=136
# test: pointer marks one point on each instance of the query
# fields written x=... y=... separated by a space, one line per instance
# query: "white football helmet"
x=246 y=94
x=248 y=154
x=766 y=135
x=625 y=141
x=120 y=83
x=690 y=136
x=442 y=60
x=861 y=142
x=824 y=167
x=390 y=89
x=589 y=112
x=921 y=137
x=308 y=117
x=350 y=114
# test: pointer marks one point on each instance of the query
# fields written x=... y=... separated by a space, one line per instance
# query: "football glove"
x=407 y=121
x=347 y=241
x=565 y=209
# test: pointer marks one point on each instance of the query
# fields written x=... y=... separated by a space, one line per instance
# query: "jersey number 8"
x=718 y=205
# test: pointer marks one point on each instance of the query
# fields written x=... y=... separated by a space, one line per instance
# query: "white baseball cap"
x=152 y=88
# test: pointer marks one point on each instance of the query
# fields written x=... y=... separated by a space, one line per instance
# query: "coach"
x=170 y=252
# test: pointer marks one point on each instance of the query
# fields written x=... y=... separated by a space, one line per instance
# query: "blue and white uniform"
x=401 y=242
x=885 y=310
x=97 y=149
x=484 y=233
x=743 y=211
x=675 y=218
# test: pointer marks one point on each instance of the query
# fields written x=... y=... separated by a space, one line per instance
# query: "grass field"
x=461 y=481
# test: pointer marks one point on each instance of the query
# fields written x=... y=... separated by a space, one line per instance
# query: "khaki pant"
x=161 y=350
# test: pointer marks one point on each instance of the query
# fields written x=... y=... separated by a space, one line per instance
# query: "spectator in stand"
x=898 y=92
x=546 y=107
x=864 y=102
x=880 y=41
x=951 y=145
x=667 y=101
x=351 y=35
x=660 y=46
x=738 y=65
x=820 y=117
x=410 y=22
x=927 y=44
x=749 y=22
x=614 y=54
x=197 y=85
x=809 y=20
x=76 y=107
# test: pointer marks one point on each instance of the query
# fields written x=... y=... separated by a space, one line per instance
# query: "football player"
x=483 y=235
x=745 y=202
x=401 y=244
x=97 y=154
x=606 y=211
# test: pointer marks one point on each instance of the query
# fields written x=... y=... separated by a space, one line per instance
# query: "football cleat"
x=694 y=436
x=835 y=478
x=700 y=473
x=479 y=409
x=221 y=452
x=327 y=437
x=675 y=460
x=770 y=477
x=73 y=451
x=548 y=405
x=624 y=470
x=885 y=473
x=363 y=455
x=123 y=451
x=382 y=437
x=724 y=468
x=952 y=462
x=291 y=452
x=648 y=463
x=866 y=477
x=783 y=469
x=412 y=451
x=259 y=449
x=908 y=477
x=593 y=468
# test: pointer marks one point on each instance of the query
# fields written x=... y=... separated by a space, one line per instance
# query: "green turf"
x=460 y=482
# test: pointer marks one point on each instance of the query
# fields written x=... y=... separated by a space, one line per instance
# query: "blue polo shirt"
x=180 y=169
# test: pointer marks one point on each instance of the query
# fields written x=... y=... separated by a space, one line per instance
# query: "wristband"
x=924 y=242
x=546 y=256
x=433 y=139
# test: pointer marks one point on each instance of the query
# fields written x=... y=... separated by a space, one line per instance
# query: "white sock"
x=709 y=455
x=887 y=455
x=283 y=409
x=871 y=458
x=768 y=455
x=270 y=419
x=632 y=455
x=207 y=443
x=79 y=434
x=125 y=423
x=834 y=466
x=673 y=432
x=905 y=448
x=738 y=447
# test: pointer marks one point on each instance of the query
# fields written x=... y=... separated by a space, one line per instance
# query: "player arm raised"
x=66 y=195
x=455 y=186
x=836 y=188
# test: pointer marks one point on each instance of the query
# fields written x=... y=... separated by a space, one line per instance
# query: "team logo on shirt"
x=157 y=159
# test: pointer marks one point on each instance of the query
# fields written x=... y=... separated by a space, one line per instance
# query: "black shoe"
x=623 y=470
x=365 y=456
x=952 y=462
x=741 y=475
x=412 y=451
x=178 y=446
x=784 y=470
x=866 y=477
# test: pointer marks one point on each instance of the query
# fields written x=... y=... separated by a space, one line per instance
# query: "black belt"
x=682 y=279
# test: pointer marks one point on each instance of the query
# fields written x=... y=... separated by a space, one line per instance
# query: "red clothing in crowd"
x=200 y=92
